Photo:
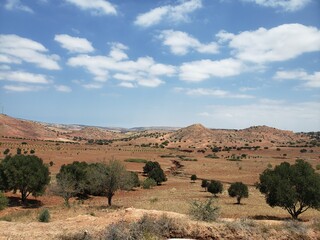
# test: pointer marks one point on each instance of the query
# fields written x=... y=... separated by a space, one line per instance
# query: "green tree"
x=204 y=184
x=295 y=188
x=3 y=201
x=72 y=178
x=106 y=179
x=5 y=152
x=154 y=171
x=28 y=174
x=215 y=187
x=238 y=190
x=193 y=177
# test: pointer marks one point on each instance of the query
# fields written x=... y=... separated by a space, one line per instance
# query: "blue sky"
x=222 y=63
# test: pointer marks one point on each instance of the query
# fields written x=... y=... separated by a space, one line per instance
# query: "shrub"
x=193 y=177
x=136 y=160
x=32 y=151
x=215 y=187
x=5 y=152
x=3 y=201
x=44 y=216
x=204 y=211
x=148 y=183
x=204 y=184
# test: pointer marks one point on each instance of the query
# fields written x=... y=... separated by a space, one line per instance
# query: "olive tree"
x=215 y=187
x=24 y=173
x=295 y=188
x=238 y=190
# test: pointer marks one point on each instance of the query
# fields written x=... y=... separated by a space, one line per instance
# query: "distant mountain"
x=195 y=135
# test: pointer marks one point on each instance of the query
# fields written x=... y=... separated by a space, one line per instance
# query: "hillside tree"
x=238 y=190
x=295 y=188
x=24 y=173
x=215 y=187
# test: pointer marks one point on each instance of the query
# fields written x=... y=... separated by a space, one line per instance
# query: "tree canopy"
x=295 y=188
x=26 y=173
x=215 y=187
x=155 y=172
x=238 y=190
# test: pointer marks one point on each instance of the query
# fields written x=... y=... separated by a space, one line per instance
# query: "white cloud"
x=312 y=80
x=126 y=84
x=280 y=43
x=168 y=13
x=198 y=71
x=63 y=88
x=286 y=5
x=22 y=88
x=117 y=51
x=24 y=77
x=96 y=7
x=144 y=71
x=16 y=49
x=292 y=116
x=74 y=44
x=92 y=85
x=212 y=92
x=17 y=5
x=180 y=43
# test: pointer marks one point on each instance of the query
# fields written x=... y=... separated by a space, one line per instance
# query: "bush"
x=44 y=216
x=3 y=201
x=204 y=184
x=5 y=152
x=193 y=177
x=148 y=183
x=215 y=187
x=203 y=211
x=136 y=160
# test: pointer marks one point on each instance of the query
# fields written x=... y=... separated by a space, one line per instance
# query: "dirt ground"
x=174 y=195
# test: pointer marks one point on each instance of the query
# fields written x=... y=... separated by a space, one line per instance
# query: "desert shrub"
x=19 y=151
x=32 y=151
x=193 y=177
x=44 y=216
x=3 y=201
x=295 y=228
x=145 y=228
x=303 y=150
x=148 y=183
x=204 y=211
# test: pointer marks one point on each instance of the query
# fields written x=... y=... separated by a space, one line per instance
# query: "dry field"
x=174 y=195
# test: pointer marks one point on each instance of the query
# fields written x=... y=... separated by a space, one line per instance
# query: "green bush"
x=148 y=183
x=204 y=211
x=3 y=201
x=44 y=216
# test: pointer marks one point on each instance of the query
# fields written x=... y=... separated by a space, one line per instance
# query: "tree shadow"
x=268 y=217
x=30 y=203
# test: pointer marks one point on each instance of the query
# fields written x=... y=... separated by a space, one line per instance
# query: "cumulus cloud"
x=74 y=44
x=180 y=43
x=212 y=92
x=16 y=5
x=63 y=88
x=15 y=49
x=280 y=43
x=96 y=7
x=24 y=77
x=144 y=71
x=168 y=13
x=286 y=115
x=286 y=5
x=311 y=80
x=198 y=71
x=22 y=88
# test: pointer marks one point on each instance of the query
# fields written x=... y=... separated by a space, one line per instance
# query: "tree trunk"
x=109 y=196
x=238 y=199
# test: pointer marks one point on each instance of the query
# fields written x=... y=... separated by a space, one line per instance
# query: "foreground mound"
x=152 y=224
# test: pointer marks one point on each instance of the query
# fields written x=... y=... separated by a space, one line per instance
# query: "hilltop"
x=196 y=135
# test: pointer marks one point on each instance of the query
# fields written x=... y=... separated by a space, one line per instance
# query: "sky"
x=222 y=63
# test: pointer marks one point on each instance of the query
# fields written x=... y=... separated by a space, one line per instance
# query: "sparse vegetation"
x=193 y=177
x=136 y=160
x=44 y=216
x=148 y=183
x=3 y=201
x=204 y=210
